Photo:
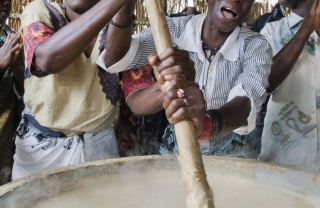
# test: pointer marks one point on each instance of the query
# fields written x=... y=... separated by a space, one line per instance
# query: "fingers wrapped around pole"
x=198 y=192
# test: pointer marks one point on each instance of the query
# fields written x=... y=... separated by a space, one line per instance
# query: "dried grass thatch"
x=17 y=8
x=172 y=6
x=258 y=8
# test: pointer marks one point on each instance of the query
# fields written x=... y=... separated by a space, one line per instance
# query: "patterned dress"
x=69 y=116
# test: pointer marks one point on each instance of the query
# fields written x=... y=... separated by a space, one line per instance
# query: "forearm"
x=75 y=37
x=13 y=60
x=285 y=60
x=18 y=73
x=146 y=101
x=4 y=64
x=119 y=38
x=234 y=114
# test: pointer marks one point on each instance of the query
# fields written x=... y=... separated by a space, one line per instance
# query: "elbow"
x=272 y=87
x=134 y=105
x=245 y=102
x=48 y=62
x=51 y=70
x=107 y=61
x=46 y=65
x=144 y=109
x=135 y=109
x=269 y=90
x=139 y=110
x=45 y=68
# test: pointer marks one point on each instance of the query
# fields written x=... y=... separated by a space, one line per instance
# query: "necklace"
x=210 y=52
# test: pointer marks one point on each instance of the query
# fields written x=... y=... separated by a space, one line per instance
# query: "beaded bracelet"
x=133 y=17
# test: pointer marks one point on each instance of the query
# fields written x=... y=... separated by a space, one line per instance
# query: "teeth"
x=230 y=9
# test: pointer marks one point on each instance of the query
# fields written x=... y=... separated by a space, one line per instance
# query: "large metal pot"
x=155 y=181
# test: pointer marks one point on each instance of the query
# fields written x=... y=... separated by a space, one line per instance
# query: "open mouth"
x=229 y=13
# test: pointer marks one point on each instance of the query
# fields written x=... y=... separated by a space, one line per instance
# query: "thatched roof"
x=173 y=6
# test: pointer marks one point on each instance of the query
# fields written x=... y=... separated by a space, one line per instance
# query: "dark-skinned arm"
x=119 y=39
x=18 y=68
x=11 y=57
x=235 y=113
x=286 y=58
x=10 y=51
x=172 y=64
x=146 y=101
x=18 y=72
x=75 y=37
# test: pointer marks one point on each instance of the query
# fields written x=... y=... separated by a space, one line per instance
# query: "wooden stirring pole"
x=198 y=192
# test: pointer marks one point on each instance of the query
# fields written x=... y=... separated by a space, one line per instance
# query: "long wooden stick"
x=198 y=192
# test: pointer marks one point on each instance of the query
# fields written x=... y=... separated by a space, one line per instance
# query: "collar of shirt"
x=293 y=19
x=190 y=40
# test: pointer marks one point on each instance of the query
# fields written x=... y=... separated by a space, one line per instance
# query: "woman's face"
x=226 y=15
x=80 y=6
x=5 y=7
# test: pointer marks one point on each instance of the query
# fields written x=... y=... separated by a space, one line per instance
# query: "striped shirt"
x=240 y=68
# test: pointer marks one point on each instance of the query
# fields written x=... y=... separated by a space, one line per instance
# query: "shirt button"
x=313 y=111
x=312 y=86
x=310 y=62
